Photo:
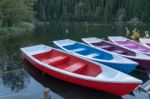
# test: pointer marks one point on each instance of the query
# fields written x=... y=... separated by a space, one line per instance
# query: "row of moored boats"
x=98 y=64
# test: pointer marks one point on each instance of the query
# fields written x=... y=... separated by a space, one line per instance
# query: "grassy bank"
x=15 y=30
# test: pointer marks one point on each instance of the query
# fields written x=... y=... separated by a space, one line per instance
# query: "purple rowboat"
x=142 y=59
x=129 y=44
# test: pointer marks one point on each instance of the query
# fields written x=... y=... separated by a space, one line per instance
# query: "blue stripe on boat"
x=127 y=68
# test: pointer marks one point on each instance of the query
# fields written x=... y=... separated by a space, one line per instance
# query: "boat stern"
x=63 y=42
x=116 y=38
x=35 y=49
x=91 y=40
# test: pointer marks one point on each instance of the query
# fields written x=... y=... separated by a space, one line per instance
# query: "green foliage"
x=98 y=13
x=16 y=30
x=15 y=11
x=79 y=10
x=25 y=25
x=3 y=31
x=121 y=14
x=93 y=10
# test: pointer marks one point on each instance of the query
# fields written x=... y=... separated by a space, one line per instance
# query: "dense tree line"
x=16 y=11
x=93 y=10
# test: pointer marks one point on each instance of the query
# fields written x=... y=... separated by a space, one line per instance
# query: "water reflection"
x=141 y=74
x=71 y=91
x=64 y=89
x=15 y=80
x=12 y=75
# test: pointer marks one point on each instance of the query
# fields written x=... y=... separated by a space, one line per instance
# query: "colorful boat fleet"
x=100 y=65
x=98 y=55
x=140 y=58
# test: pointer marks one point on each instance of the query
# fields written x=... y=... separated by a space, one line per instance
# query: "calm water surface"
x=20 y=80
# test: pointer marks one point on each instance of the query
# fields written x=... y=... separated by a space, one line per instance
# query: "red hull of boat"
x=113 y=88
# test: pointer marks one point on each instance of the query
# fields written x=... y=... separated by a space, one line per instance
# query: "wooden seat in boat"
x=142 y=49
x=76 y=68
x=122 y=42
x=55 y=60
x=148 y=44
x=106 y=47
x=119 y=51
x=92 y=55
x=78 y=49
x=132 y=46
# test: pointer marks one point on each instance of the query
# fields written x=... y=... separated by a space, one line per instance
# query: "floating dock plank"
x=145 y=87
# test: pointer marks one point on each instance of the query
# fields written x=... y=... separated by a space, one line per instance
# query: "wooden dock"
x=145 y=88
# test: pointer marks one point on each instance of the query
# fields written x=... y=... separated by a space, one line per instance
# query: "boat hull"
x=113 y=88
x=145 y=42
x=126 y=68
x=145 y=64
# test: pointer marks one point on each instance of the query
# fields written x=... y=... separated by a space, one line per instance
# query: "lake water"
x=20 y=80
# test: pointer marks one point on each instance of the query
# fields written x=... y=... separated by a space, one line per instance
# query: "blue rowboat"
x=99 y=55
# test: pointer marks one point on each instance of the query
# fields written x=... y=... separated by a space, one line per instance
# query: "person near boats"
x=146 y=34
x=135 y=34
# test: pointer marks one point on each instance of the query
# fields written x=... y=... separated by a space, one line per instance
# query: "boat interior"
x=88 y=51
x=148 y=44
x=132 y=45
x=69 y=63
x=113 y=48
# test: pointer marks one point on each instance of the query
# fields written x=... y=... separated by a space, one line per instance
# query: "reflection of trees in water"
x=64 y=89
x=12 y=73
x=15 y=80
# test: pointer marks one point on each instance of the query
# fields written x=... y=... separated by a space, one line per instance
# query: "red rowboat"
x=80 y=71
x=145 y=42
